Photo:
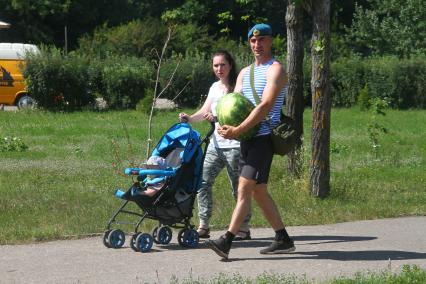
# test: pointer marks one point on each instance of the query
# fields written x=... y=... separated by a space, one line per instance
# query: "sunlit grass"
x=409 y=274
x=63 y=184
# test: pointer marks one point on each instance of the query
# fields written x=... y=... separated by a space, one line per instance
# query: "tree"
x=294 y=97
x=319 y=174
x=389 y=27
x=321 y=100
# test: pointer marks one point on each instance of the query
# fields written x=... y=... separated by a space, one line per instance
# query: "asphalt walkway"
x=322 y=252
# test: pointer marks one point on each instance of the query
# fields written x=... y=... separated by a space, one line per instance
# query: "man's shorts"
x=256 y=158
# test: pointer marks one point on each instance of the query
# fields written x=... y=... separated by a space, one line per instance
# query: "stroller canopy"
x=187 y=141
x=180 y=135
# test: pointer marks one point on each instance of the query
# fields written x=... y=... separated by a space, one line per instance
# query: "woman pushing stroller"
x=221 y=152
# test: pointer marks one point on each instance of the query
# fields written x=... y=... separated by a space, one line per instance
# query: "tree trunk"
x=294 y=97
x=321 y=101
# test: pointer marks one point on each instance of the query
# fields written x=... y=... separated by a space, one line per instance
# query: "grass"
x=408 y=275
x=63 y=184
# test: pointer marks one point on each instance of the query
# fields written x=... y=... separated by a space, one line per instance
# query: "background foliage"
x=379 y=43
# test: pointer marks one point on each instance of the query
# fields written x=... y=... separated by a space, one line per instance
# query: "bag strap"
x=255 y=95
x=253 y=90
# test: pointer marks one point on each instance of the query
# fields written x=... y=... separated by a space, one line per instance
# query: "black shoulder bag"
x=284 y=134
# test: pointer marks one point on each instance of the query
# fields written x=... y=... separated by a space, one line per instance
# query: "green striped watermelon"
x=232 y=109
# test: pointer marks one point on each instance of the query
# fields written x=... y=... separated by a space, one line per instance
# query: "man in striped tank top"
x=256 y=154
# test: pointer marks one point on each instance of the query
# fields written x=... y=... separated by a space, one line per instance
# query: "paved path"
x=323 y=252
x=8 y=108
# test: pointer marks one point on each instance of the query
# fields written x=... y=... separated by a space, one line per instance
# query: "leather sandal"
x=203 y=233
x=243 y=236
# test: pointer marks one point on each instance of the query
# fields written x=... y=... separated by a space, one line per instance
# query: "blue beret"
x=260 y=30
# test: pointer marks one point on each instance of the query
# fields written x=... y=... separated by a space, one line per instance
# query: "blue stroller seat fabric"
x=176 y=176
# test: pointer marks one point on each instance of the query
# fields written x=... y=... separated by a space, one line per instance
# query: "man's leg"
x=222 y=246
x=282 y=242
x=268 y=207
x=245 y=191
x=232 y=161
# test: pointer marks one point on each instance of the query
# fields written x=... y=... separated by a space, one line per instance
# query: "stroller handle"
x=211 y=130
x=141 y=172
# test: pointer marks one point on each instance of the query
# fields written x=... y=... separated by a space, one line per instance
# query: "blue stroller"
x=173 y=202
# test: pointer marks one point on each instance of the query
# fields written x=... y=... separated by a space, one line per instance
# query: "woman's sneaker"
x=279 y=246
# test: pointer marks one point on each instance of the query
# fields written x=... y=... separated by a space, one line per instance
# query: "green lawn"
x=62 y=185
x=408 y=275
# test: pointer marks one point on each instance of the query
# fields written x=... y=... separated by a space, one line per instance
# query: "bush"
x=364 y=99
x=124 y=81
x=135 y=39
x=145 y=104
x=194 y=72
x=58 y=81
x=12 y=144
x=347 y=80
x=190 y=38
x=131 y=39
x=402 y=82
x=70 y=82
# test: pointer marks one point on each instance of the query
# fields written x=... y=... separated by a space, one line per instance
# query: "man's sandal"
x=243 y=236
x=203 y=233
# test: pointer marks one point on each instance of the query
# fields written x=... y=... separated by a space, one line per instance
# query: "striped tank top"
x=259 y=84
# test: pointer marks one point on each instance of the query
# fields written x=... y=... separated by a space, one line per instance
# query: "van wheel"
x=26 y=102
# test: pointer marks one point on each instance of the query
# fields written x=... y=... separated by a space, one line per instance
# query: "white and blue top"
x=259 y=85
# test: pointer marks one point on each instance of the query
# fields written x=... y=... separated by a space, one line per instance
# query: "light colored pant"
x=216 y=159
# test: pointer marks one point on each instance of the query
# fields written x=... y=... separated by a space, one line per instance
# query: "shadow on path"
x=309 y=240
x=366 y=255
x=263 y=242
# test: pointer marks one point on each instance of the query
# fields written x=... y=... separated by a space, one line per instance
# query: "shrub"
x=131 y=39
x=56 y=80
x=347 y=80
x=190 y=38
x=402 y=82
x=145 y=104
x=135 y=39
x=124 y=80
x=12 y=144
x=194 y=72
x=364 y=98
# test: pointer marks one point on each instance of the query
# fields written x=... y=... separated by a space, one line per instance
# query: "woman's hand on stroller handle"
x=183 y=117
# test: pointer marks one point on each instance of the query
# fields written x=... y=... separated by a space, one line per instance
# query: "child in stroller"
x=154 y=183
x=165 y=190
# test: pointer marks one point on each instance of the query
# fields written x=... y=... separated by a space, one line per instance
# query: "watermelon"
x=232 y=109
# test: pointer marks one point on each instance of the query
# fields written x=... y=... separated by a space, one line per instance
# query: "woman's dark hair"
x=233 y=72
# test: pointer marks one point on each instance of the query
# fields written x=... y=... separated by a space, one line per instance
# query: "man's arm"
x=275 y=81
x=239 y=84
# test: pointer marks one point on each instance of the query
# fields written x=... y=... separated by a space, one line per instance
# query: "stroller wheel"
x=164 y=235
x=116 y=238
x=144 y=242
x=105 y=239
x=154 y=234
x=188 y=238
x=133 y=242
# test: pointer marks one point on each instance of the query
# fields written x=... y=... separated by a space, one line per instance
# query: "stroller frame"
x=161 y=234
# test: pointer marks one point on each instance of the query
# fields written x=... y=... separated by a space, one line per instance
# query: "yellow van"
x=12 y=86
